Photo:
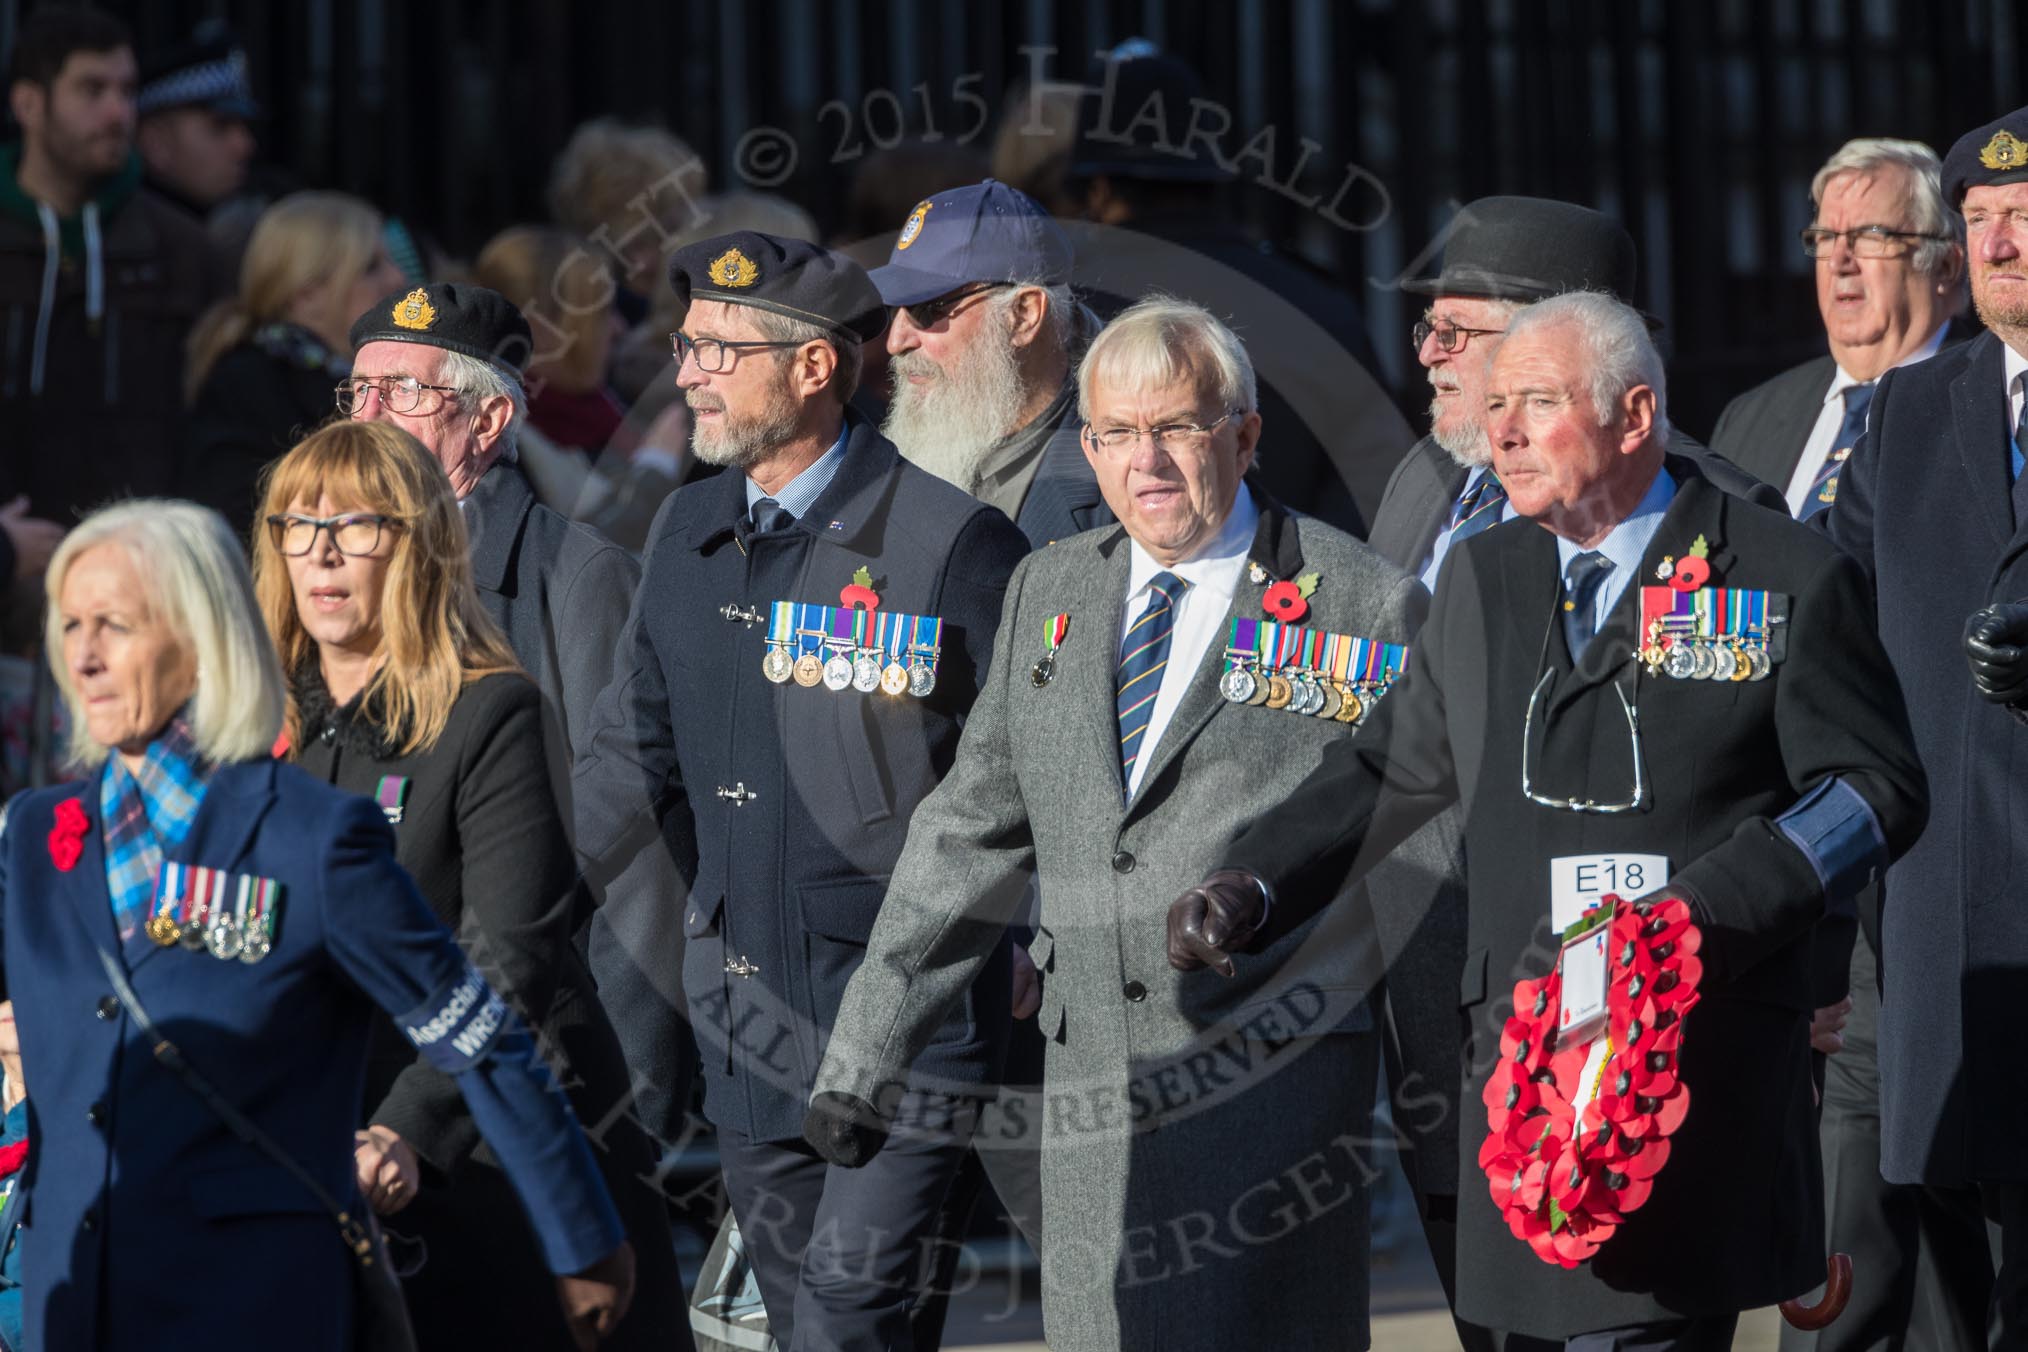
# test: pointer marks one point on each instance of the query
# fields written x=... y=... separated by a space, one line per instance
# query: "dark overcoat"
x=1736 y=1218
x=1923 y=504
x=785 y=806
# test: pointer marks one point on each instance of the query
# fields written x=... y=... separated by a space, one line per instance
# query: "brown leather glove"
x=1218 y=917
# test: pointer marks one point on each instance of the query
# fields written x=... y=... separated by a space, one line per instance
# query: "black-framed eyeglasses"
x=398 y=394
x=1169 y=437
x=355 y=533
x=927 y=314
x=1865 y=241
x=1450 y=337
x=710 y=353
x=1589 y=806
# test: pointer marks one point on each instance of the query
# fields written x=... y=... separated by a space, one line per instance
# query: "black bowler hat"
x=785 y=276
x=208 y=71
x=468 y=319
x=1532 y=248
x=1995 y=153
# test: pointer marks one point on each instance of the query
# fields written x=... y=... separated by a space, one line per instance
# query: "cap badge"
x=912 y=227
x=414 y=311
x=2005 y=151
x=734 y=269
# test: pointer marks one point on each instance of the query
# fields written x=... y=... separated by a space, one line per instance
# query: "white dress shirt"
x=1824 y=432
x=1213 y=575
x=1626 y=545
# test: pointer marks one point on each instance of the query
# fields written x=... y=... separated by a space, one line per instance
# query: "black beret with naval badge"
x=1992 y=154
x=786 y=276
x=459 y=318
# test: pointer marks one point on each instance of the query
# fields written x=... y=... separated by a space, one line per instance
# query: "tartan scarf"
x=146 y=813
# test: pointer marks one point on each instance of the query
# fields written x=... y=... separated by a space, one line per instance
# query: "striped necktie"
x=1824 y=489
x=1478 y=507
x=1146 y=649
x=1581 y=583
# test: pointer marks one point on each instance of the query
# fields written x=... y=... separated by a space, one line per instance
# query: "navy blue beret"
x=468 y=319
x=1994 y=153
x=787 y=276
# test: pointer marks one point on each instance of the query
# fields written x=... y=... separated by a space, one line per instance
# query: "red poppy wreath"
x=1574 y=1144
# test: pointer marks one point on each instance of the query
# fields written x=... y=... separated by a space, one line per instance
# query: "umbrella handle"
x=1837 y=1290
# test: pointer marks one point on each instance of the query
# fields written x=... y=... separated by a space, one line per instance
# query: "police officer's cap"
x=1995 y=153
x=786 y=276
x=468 y=319
x=208 y=71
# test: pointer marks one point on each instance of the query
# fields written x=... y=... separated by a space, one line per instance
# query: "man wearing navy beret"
x=810 y=633
x=1934 y=504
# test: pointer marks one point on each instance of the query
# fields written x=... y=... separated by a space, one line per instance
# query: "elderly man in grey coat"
x=1206 y=1153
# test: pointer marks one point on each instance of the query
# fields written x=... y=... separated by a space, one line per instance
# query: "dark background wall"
x=1698 y=122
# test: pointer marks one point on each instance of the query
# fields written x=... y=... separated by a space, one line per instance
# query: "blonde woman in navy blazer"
x=149 y=1224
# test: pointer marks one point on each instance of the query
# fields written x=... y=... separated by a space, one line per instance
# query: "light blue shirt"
x=1626 y=546
x=799 y=494
x=1443 y=540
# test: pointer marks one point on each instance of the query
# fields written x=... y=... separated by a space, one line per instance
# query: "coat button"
x=107 y=1008
x=96 y=1114
x=330 y=733
x=89 y=1221
x=1135 y=991
x=1123 y=862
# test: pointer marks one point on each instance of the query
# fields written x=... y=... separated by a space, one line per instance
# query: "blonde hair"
x=303 y=240
x=434 y=636
x=614 y=184
x=196 y=582
x=566 y=291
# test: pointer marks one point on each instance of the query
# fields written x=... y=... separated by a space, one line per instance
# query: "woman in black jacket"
x=263 y=363
x=404 y=691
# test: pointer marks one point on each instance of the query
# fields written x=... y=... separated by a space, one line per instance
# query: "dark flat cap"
x=457 y=318
x=786 y=276
x=1995 y=153
x=1532 y=248
x=1136 y=117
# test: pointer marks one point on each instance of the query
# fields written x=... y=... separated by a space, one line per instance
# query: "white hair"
x=477 y=381
x=1162 y=340
x=1922 y=172
x=197 y=585
x=1619 y=352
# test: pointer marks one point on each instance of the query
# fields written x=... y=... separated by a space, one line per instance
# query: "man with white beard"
x=982 y=349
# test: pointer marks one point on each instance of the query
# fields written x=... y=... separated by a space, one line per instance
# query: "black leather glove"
x=845 y=1130
x=1996 y=646
x=1220 y=916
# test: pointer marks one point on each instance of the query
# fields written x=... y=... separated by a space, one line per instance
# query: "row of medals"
x=1303 y=693
x=1706 y=659
x=223 y=938
x=862 y=671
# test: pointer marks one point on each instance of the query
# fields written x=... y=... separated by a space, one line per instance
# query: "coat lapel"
x=1092 y=683
x=1275 y=548
x=1978 y=405
x=86 y=880
x=494 y=514
x=1698 y=509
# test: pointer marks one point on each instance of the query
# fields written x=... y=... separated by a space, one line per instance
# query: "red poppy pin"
x=1691 y=571
x=1289 y=601
x=859 y=593
x=66 y=838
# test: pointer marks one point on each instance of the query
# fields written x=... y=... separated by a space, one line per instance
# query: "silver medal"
x=837 y=672
x=1237 y=685
x=1705 y=662
x=1679 y=663
x=778 y=666
x=224 y=938
x=922 y=679
x=1723 y=664
x=866 y=673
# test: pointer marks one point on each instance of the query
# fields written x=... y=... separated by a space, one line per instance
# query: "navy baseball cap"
x=982 y=232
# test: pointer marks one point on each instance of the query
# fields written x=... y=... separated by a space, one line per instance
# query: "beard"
x=2000 y=316
x=949 y=422
x=741 y=441
x=1465 y=442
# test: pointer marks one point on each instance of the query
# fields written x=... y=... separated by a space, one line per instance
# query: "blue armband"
x=457 y=1026
x=1837 y=832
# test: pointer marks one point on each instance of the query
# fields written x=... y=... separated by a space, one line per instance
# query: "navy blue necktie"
x=1824 y=488
x=1145 y=652
x=2018 y=456
x=1478 y=507
x=765 y=515
x=1581 y=582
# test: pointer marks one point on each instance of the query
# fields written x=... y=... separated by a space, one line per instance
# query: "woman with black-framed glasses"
x=402 y=690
